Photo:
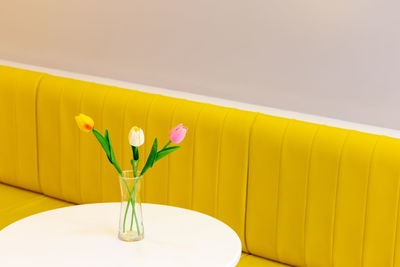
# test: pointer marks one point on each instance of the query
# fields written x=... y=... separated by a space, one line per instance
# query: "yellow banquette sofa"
x=296 y=193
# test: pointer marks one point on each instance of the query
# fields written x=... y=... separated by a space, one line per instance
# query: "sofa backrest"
x=208 y=174
x=295 y=192
x=322 y=196
x=18 y=128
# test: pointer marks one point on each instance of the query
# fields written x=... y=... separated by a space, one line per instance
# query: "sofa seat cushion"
x=16 y=203
x=247 y=260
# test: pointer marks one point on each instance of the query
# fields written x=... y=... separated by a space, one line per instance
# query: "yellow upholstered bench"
x=297 y=193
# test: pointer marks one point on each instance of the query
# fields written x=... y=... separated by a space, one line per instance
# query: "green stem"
x=134 y=208
x=127 y=188
x=169 y=142
x=126 y=212
x=127 y=204
x=105 y=142
x=135 y=165
x=135 y=162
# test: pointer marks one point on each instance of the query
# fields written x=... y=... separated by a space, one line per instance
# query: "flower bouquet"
x=130 y=180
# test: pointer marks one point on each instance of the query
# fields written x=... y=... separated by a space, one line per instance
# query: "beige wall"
x=337 y=58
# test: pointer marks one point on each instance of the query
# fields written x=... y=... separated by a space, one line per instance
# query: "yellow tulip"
x=85 y=123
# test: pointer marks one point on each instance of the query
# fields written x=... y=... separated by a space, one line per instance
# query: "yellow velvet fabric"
x=16 y=203
x=322 y=196
x=211 y=178
x=18 y=150
x=295 y=192
x=254 y=261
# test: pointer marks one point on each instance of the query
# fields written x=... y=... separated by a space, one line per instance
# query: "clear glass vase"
x=131 y=218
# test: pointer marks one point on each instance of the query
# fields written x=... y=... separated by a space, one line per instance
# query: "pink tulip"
x=177 y=134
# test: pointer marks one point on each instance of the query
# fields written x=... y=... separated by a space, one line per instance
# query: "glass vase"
x=131 y=218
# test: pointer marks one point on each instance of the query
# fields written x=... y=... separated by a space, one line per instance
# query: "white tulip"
x=136 y=136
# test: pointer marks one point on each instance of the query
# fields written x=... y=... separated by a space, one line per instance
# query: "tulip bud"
x=177 y=134
x=136 y=136
x=85 y=123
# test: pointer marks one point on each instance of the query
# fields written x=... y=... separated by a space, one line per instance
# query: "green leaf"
x=151 y=158
x=166 y=152
x=153 y=152
x=106 y=144
x=106 y=136
x=111 y=156
x=103 y=142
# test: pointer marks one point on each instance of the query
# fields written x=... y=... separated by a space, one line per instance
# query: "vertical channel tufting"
x=206 y=158
x=196 y=123
x=48 y=115
x=25 y=132
x=352 y=186
x=381 y=210
x=101 y=128
x=395 y=261
x=292 y=191
x=367 y=194
x=307 y=194
x=216 y=204
x=7 y=76
x=143 y=150
x=61 y=194
x=333 y=227
x=263 y=181
x=70 y=106
x=321 y=194
x=36 y=142
x=396 y=235
x=247 y=176
x=167 y=201
x=25 y=129
x=91 y=154
x=15 y=142
x=146 y=147
x=297 y=192
x=78 y=152
x=6 y=98
x=339 y=161
x=59 y=100
x=159 y=120
x=181 y=161
x=276 y=226
x=18 y=156
x=14 y=127
x=112 y=119
x=233 y=170
x=137 y=109
x=125 y=158
x=8 y=157
x=395 y=250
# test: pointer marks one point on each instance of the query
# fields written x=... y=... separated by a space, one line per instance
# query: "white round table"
x=86 y=235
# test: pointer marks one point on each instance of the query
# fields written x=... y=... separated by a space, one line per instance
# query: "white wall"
x=337 y=58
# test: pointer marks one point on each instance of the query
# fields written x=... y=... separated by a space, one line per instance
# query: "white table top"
x=86 y=235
